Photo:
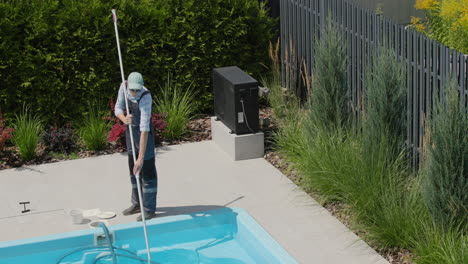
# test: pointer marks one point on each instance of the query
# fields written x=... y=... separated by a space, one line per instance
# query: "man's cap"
x=135 y=81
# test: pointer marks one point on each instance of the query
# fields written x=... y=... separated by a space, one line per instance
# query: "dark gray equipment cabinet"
x=236 y=99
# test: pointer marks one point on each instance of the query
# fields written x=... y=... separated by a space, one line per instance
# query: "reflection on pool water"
x=222 y=236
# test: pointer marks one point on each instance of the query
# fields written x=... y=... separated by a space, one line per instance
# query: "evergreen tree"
x=446 y=166
x=329 y=101
x=384 y=117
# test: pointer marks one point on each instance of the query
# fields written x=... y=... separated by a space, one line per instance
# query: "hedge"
x=58 y=55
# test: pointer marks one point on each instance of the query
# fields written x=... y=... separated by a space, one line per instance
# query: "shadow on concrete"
x=23 y=168
x=179 y=210
x=190 y=209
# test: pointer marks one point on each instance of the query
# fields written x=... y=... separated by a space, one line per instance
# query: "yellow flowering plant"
x=446 y=21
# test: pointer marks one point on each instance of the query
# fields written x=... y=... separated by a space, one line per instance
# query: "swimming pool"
x=222 y=236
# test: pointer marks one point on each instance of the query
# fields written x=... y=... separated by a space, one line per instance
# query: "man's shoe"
x=148 y=216
x=132 y=210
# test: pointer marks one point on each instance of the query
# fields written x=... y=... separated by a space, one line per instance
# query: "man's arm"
x=145 y=123
x=143 y=141
x=120 y=106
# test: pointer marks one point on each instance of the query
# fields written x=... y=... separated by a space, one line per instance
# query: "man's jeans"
x=148 y=182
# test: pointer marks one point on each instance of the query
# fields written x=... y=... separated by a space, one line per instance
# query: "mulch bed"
x=200 y=129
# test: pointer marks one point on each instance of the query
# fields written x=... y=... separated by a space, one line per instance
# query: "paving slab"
x=192 y=177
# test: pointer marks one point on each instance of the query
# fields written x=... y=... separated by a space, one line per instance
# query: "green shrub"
x=385 y=199
x=28 y=129
x=55 y=54
x=329 y=99
x=178 y=104
x=328 y=160
x=93 y=129
x=290 y=139
x=385 y=104
x=446 y=166
x=434 y=245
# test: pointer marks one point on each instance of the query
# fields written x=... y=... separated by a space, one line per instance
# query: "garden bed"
x=199 y=129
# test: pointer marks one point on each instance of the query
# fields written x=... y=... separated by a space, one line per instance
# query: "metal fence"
x=429 y=64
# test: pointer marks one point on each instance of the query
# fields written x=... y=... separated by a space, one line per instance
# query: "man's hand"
x=138 y=166
x=128 y=119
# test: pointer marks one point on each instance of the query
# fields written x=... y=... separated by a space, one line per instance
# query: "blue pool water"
x=222 y=236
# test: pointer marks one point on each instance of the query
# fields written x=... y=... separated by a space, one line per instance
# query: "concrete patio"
x=192 y=177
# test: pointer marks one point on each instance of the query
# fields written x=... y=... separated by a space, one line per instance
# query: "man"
x=139 y=121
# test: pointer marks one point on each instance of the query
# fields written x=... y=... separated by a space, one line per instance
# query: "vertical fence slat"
x=342 y=14
x=445 y=69
x=312 y=35
x=453 y=57
x=359 y=55
x=421 y=92
x=374 y=34
x=435 y=76
x=385 y=33
x=349 y=42
x=282 y=37
x=462 y=78
x=397 y=41
x=415 y=94
x=309 y=38
x=416 y=53
x=427 y=71
x=443 y=66
x=317 y=20
x=402 y=45
x=448 y=66
x=287 y=43
x=409 y=87
x=353 y=52
x=390 y=34
x=465 y=58
x=378 y=29
x=304 y=47
x=300 y=29
x=438 y=70
x=296 y=43
x=368 y=44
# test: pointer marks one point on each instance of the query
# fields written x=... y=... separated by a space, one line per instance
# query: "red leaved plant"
x=117 y=132
x=5 y=132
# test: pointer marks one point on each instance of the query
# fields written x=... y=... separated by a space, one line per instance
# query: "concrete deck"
x=192 y=177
